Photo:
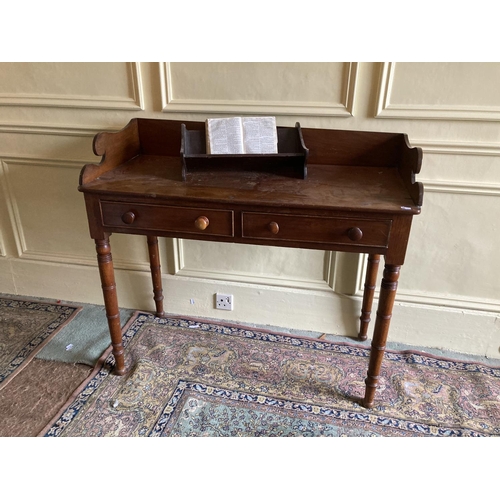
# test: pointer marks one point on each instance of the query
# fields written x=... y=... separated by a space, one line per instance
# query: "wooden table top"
x=331 y=187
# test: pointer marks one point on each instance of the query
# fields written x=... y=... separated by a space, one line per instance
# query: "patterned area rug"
x=25 y=327
x=192 y=378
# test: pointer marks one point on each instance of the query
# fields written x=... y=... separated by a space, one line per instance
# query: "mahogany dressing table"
x=359 y=195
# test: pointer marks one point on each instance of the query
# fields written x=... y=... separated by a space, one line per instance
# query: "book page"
x=224 y=136
x=260 y=135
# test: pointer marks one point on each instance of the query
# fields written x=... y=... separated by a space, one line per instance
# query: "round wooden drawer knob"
x=201 y=223
x=354 y=234
x=128 y=217
x=274 y=228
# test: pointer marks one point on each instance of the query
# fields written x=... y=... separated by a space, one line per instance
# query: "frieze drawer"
x=338 y=230
x=167 y=218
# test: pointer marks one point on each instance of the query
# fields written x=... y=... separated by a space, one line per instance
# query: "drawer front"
x=363 y=232
x=162 y=218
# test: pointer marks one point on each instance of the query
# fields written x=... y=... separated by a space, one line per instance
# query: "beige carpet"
x=191 y=377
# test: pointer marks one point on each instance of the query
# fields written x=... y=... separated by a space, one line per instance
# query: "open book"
x=237 y=135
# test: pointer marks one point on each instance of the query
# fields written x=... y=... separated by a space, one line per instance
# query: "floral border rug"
x=25 y=327
x=195 y=378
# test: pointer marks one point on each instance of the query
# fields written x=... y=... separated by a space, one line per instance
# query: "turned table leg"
x=154 y=260
x=370 y=282
x=107 y=274
x=384 y=313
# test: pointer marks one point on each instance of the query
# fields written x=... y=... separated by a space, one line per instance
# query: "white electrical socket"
x=223 y=301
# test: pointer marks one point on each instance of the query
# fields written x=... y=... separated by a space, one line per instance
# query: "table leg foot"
x=367 y=404
x=388 y=289
x=366 y=308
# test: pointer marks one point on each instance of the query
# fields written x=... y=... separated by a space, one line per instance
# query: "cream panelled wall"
x=449 y=294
